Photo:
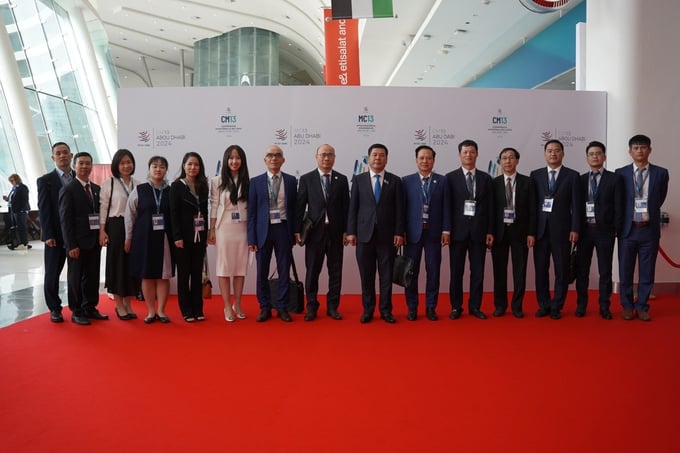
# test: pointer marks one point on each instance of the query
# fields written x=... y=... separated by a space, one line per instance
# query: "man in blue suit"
x=472 y=216
x=559 y=221
x=602 y=206
x=428 y=227
x=271 y=214
x=375 y=225
x=646 y=186
x=49 y=186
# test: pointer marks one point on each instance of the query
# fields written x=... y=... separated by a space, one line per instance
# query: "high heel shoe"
x=227 y=317
x=125 y=317
x=239 y=313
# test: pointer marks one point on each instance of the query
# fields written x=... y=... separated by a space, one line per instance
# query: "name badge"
x=426 y=211
x=590 y=209
x=157 y=222
x=94 y=221
x=274 y=216
x=235 y=217
x=547 y=204
x=641 y=205
x=508 y=216
x=469 y=208
x=199 y=223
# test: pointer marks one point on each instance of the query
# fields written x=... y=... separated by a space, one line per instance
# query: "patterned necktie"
x=376 y=188
x=639 y=182
x=276 y=185
x=551 y=183
x=508 y=193
x=593 y=185
x=470 y=185
x=89 y=194
x=426 y=188
x=327 y=184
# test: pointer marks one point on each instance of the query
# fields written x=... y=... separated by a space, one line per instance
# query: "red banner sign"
x=342 y=50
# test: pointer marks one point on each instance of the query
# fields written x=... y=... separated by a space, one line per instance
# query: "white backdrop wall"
x=172 y=121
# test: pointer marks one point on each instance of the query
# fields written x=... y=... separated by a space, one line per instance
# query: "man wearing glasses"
x=271 y=213
x=324 y=195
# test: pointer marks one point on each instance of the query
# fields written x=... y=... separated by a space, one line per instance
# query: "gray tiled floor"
x=21 y=284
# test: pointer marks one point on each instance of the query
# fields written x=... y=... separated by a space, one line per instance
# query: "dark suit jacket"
x=258 y=208
x=183 y=209
x=439 y=211
x=365 y=216
x=525 y=206
x=49 y=186
x=608 y=201
x=310 y=198
x=482 y=223
x=74 y=211
x=657 y=191
x=566 y=214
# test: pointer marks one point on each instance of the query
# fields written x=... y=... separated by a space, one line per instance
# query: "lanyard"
x=122 y=184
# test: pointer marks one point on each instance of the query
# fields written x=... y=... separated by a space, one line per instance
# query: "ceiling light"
x=427 y=37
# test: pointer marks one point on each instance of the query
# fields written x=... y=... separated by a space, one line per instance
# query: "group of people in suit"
x=551 y=210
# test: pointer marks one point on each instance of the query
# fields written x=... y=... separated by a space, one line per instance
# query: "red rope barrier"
x=668 y=259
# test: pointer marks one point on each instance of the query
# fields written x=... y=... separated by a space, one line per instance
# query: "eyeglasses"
x=326 y=155
x=273 y=155
x=595 y=154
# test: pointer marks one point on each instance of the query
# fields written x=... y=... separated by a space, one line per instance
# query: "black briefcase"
x=403 y=272
x=296 y=290
x=573 y=263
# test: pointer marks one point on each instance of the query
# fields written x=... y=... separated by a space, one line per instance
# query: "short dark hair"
x=378 y=145
x=117 y=158
x=82 y=154
x=434 y=153
x=639 y=139
x=596 y=144
x=467 y=142
x=60 y=144
x=160 y=159
x=515 y=152
x=554 y=140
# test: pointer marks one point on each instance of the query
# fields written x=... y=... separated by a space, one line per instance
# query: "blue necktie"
x=551 y=183
x=593 y=185
x=376 y=188
x=470 y=185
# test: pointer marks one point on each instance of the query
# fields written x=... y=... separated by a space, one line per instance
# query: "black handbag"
x=573 y=263
x=307 y=225
x=402 y=272
x=296 y=290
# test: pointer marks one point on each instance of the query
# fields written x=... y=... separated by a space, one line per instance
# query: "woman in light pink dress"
x=228 y=223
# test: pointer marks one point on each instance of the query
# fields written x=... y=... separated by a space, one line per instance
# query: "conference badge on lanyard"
x=157 y=222
x=548 y=204
x=470 y=208
x=94 y=221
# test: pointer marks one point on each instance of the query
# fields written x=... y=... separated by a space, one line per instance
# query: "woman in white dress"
x=228 y=223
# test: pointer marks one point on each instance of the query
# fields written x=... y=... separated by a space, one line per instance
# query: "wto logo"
x=420 y=135
x=546 y=135
x=281 y=134
x=144 y=136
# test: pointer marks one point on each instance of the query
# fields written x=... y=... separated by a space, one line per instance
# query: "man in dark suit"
x=376 y=226
x=602 y=214
x=428 y=227
x=271 y=214
x=49 y=186
x=79 y=216
x=323 y=194
x=471 y=196
x=559 y=221
x=646 y=186
x=515 y=232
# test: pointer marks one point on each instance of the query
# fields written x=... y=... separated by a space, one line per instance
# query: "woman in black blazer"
x=189 y=214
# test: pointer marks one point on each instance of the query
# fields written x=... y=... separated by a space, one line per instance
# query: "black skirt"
x=118 y=280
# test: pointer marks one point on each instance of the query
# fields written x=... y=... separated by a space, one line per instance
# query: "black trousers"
x=517 y=246
x=378 y=253
x=319 y=246
x=83 y=281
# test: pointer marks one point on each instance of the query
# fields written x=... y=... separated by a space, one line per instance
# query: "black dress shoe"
x=518 y=314
x=455 y=313
x=388 y=318
x=498 y=312
x=555 y=315
x=580 y=312
x=478 y=314
x=431 y=314
x=284 y=316
x=264 y=315
x=606 y=314
x=125 y=317
x=412 y=315
x=310 y=315
x=163 y=319
x=150 y=319
x=96 y=314
x=542 y=312
x=80 y=320
x=56 y=316
x=365 y=318
x=334 y=314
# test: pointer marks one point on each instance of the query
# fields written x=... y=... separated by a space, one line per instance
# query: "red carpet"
x=504 y=384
